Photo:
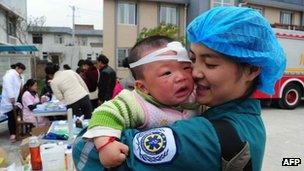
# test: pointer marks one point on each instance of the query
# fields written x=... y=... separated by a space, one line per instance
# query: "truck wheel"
x=291 y=97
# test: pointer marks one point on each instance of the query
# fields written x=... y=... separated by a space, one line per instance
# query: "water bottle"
x=35 y=153
x=69 y=165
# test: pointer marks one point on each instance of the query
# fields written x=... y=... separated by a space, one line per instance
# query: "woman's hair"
x=66 y=67
x=254 y=84
x=26 y=87
x=80 y=62
x=19 y=65
x=147 y=44
x=103 y=59
x=51 y=68
x=13 y=66
x=88 y=62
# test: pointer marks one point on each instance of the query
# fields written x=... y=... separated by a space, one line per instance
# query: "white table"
x=68 y=112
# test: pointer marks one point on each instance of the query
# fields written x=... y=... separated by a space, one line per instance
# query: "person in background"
x=107 y=79
x=69 y=87
x=79 y=70
x=234 y=52
x=11 y=87
x=30 y=100
x=91 y=77
x=46 y=89
x=66 y=67
x=127 y=82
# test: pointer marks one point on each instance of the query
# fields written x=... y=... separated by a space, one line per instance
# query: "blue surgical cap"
x=243 y=35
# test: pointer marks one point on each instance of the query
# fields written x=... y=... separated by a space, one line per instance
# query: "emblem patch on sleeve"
x=155 y=146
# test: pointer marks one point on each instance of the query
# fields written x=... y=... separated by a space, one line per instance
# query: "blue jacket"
x=186 y=145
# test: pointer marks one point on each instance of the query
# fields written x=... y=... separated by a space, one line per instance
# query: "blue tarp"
x=17 y=48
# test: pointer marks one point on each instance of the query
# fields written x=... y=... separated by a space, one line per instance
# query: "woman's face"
x=85 y=67
x=218 y=79
x=19 y=70
x=34 y=87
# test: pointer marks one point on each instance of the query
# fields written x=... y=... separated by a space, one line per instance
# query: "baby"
x=162 y=95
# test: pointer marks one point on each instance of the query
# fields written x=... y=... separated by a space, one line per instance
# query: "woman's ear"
x=140 y=85
x=252 y=72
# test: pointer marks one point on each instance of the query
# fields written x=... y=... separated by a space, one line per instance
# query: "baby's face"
x=170 y=82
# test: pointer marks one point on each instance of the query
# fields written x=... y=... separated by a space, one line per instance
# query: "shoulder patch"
x=155 y=146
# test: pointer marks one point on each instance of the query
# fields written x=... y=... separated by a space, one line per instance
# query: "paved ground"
x=284 y=139
x=285 y=130
x=11 y=149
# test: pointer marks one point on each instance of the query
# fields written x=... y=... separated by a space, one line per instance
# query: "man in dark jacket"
x=107 y=79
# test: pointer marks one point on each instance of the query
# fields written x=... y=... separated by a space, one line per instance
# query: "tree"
x=19 y=27
x=169 y=30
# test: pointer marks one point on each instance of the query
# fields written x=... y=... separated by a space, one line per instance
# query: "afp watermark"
x=291 y=161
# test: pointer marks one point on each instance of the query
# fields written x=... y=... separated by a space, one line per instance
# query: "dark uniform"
x=186 y=145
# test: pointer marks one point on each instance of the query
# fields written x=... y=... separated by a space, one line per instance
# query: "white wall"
x=3 y=34
x=16 y=6
x=70 y=54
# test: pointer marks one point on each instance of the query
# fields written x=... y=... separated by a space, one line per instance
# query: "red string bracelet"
x=110 y=140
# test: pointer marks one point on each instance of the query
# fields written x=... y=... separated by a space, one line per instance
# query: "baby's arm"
x=108 y=120
x=111 y=152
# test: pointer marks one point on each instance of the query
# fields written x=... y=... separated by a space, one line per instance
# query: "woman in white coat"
x=12 y=83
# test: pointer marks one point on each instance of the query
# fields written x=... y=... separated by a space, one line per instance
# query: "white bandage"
x=181 y=55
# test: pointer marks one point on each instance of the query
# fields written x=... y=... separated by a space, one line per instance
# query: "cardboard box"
x=24 y=151
x=3 y=158
x=36 y=131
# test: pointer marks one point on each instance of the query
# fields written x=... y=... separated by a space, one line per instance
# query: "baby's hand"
x=113 y=154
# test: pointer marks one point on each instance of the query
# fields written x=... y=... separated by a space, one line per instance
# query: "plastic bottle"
x=69 y=165
x=35 y=153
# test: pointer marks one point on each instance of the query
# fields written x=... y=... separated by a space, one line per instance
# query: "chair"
x=23 y=129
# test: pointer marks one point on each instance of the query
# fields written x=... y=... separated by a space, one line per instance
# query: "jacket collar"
x=238 y=106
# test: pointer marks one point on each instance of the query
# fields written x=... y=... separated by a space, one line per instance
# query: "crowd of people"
x=186 y=110
x=83 y=91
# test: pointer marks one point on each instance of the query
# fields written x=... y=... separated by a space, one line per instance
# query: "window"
x=127 y=13
x=82 y=41
x=59 y=39
x=11 y=26
x=259 y=9
x=122 y=53
x=45 y=55
x=168 y=14
x=216 y=3
x=89 y=56
x=286 y=17
x=37 y=38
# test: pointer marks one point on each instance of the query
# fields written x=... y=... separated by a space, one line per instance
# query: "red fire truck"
x=289 y=90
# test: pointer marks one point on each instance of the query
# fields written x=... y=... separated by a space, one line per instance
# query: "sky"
x=59 y=12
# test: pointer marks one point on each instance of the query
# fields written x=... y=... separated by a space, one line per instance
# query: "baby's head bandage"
x=181 y=55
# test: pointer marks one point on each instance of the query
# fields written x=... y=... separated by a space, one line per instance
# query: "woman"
x=234 y=52
x=12 y=84
x=30 y=99
x=91 y=77
x=69 y=87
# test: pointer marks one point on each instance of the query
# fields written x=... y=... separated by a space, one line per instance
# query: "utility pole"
x=73 y=31
x=73 y=34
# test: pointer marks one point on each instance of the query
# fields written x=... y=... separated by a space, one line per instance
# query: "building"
x=123 y=21
x=12 y=13
x=56 y=43
x=287 y=14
